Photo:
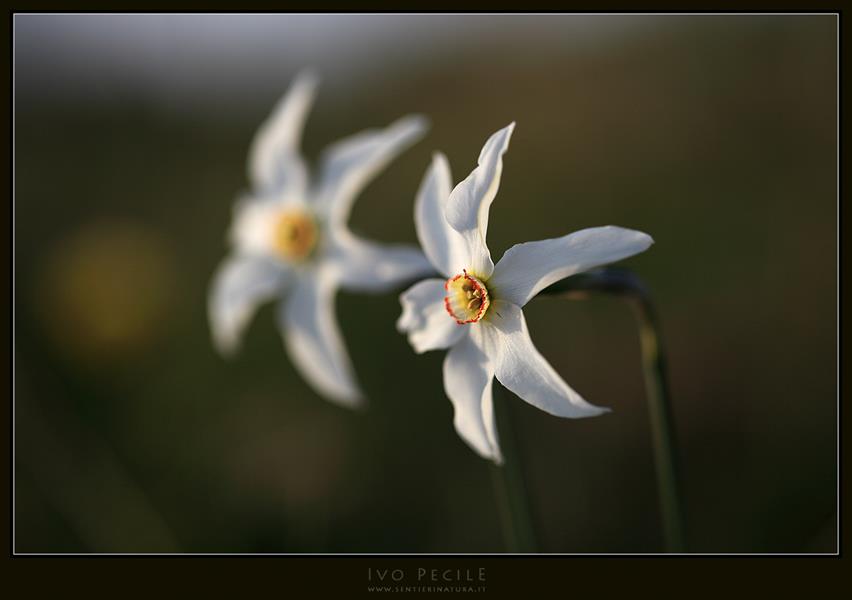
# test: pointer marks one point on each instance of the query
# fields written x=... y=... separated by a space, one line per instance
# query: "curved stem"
x=625 y=283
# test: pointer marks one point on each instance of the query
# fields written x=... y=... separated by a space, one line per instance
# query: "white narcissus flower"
x=290 y=240
x=477 y=313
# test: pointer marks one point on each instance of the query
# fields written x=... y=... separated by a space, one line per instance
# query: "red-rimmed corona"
x=467 y=298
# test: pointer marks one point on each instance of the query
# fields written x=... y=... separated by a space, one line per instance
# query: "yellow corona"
x=295 y=235
x=467 y=298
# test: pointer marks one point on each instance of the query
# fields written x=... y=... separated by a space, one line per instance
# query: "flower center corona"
x=467 y=298
x=295 y=235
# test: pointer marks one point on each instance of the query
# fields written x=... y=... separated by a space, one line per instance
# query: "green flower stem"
x=509 y=488
x=624 y=283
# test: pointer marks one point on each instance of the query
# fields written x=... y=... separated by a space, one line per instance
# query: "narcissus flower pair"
x=288 y=237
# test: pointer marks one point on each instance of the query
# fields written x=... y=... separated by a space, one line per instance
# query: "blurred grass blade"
x=509 y=488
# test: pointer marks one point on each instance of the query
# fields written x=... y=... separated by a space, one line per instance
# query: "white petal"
x=520 y=367
x=368 y=266
x=425 y=319
x=468 y=378
x=311 y=335
x=444 y=246
x=275 y=162
x=526 y=269
x=240 y=285
x=350 y=164
x=467 y=208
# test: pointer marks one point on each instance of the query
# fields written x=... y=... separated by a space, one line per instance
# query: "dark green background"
x=716 y=135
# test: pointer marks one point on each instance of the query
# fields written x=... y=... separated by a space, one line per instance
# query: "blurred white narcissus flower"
x=476 y=312
x=290 y=240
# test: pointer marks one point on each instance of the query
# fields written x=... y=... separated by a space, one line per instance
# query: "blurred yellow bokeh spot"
x=104 y=292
